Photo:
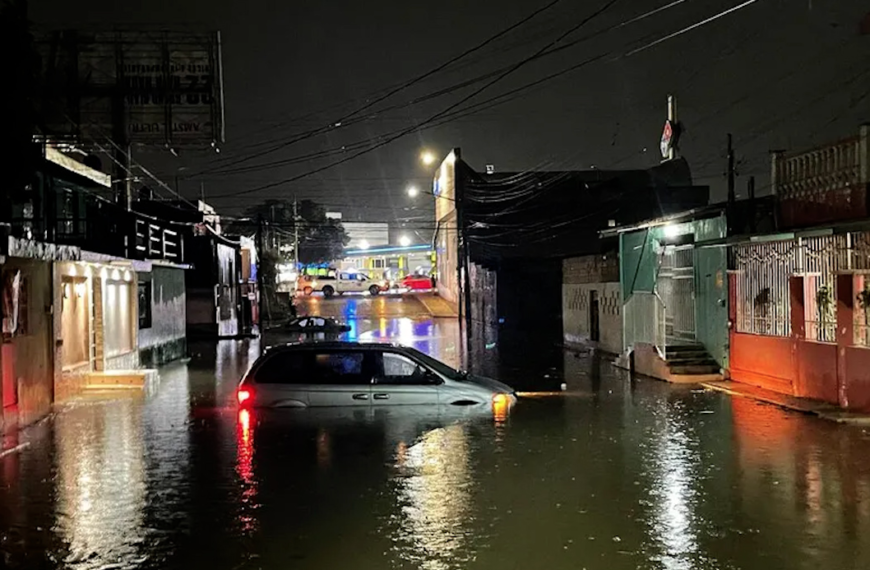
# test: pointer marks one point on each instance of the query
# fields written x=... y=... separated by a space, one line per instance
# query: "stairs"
x=690 y=360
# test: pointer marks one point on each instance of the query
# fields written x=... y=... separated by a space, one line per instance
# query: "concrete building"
x=161 y=313
x=501 y=238
x=70 y=288
x=799 y=295
x=214 y=283
x=591 y=301
x=389 y=262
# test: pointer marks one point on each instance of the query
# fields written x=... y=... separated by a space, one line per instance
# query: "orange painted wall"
x=764 y=361
x=817 y=371
x=857 y=386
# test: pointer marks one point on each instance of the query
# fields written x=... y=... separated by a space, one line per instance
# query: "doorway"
x=594 y=317
x=75 y=322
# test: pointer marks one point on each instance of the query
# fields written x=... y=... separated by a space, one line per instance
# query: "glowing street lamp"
x=413 y=191
x=428 y=157
x=364 y=244
x=404 y=241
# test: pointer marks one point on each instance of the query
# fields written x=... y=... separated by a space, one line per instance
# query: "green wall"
x=639 y=266
x=637 y=261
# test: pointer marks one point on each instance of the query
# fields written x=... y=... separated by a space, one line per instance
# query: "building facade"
x=799 y=297
x=70 y=287
x=592 y=303
x=161 y=313
x=501 y=240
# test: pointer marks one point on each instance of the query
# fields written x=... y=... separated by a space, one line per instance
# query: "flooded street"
x=613 y=474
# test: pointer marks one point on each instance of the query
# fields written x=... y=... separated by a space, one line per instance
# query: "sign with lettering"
x=159 y=88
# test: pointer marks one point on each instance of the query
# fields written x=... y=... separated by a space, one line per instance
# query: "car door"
x=281 y=380
x=401 y=380
x=361 y=283
x=340 y=378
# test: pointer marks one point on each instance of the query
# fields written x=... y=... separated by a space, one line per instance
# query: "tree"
x=320 y=239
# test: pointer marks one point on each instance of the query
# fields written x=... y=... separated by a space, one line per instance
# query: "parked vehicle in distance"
x=359 y=374
x=304 y=283
x=342 y=283
x=315 y=325
x=417 y=283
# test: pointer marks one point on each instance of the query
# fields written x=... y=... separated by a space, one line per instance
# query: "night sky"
x=778 y=74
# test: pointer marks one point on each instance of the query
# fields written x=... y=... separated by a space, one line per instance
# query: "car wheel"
x=328 y=291
x=308 y=291
x=374 y=290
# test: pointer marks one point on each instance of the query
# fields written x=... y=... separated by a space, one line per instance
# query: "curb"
x=839 y=416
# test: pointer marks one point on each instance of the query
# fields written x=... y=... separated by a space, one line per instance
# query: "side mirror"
x=433 y=379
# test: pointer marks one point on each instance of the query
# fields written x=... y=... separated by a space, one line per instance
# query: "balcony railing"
x=823 y=185
x=104 y=227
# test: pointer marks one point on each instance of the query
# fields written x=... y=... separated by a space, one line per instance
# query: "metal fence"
x=675 y=283
x=762 y=284
x=644 y=321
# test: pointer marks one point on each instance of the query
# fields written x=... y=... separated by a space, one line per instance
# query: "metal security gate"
x=675 y=284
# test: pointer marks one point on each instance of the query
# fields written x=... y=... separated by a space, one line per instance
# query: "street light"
x=363 y=244
x=404 y=241
x=428 y=157
x=413 y=191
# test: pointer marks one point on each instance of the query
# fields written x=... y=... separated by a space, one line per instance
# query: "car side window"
x=289 y=367
x=342 y=368
x=399 y=369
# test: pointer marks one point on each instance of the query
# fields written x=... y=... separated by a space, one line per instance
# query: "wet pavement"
x=615 y=473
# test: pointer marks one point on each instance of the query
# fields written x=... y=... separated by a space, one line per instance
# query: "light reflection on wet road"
x=615 y=474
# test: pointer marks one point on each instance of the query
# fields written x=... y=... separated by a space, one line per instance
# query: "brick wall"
x=576 y=316
x=591 y=269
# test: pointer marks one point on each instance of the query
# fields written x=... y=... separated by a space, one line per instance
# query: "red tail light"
x=244 y=395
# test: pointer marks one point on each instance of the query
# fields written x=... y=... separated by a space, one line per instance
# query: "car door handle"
x=382 y=396
x=360 y=396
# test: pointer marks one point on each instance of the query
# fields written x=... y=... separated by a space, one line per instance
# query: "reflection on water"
x=434 y=501
x=673 y=465
x=615 y=474
x=101 y=487
x=245 y=470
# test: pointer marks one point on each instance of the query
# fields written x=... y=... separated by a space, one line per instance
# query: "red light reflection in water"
x=245 y=471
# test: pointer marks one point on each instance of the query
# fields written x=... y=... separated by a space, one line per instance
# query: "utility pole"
x=260 y=289
x=295 y=236
x=732 y=197
x=464 y=265
x=750 y=191
x=273 y=238
x=731 y=174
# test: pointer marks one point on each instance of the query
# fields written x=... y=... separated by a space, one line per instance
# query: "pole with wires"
x=295 y=236
x=463 y=265
x=260 y=289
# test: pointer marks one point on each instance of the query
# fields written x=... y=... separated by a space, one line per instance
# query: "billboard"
x=149 y=88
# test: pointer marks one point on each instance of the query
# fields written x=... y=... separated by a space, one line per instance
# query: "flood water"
x=613 y=474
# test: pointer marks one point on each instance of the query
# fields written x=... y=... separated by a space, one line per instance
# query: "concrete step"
x=689 y=361
x=694 y=369
x=679 y=348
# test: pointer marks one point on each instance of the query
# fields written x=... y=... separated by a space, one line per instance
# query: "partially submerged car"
x=315 y=325
x=364 y=374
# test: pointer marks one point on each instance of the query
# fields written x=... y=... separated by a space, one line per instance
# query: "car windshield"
x=438 y=366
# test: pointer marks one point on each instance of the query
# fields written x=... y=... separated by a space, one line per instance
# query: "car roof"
x=335 y=345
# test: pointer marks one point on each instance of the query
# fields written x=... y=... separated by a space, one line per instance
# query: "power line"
x=404 y=86
x=548 y=50
x=441 y=113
